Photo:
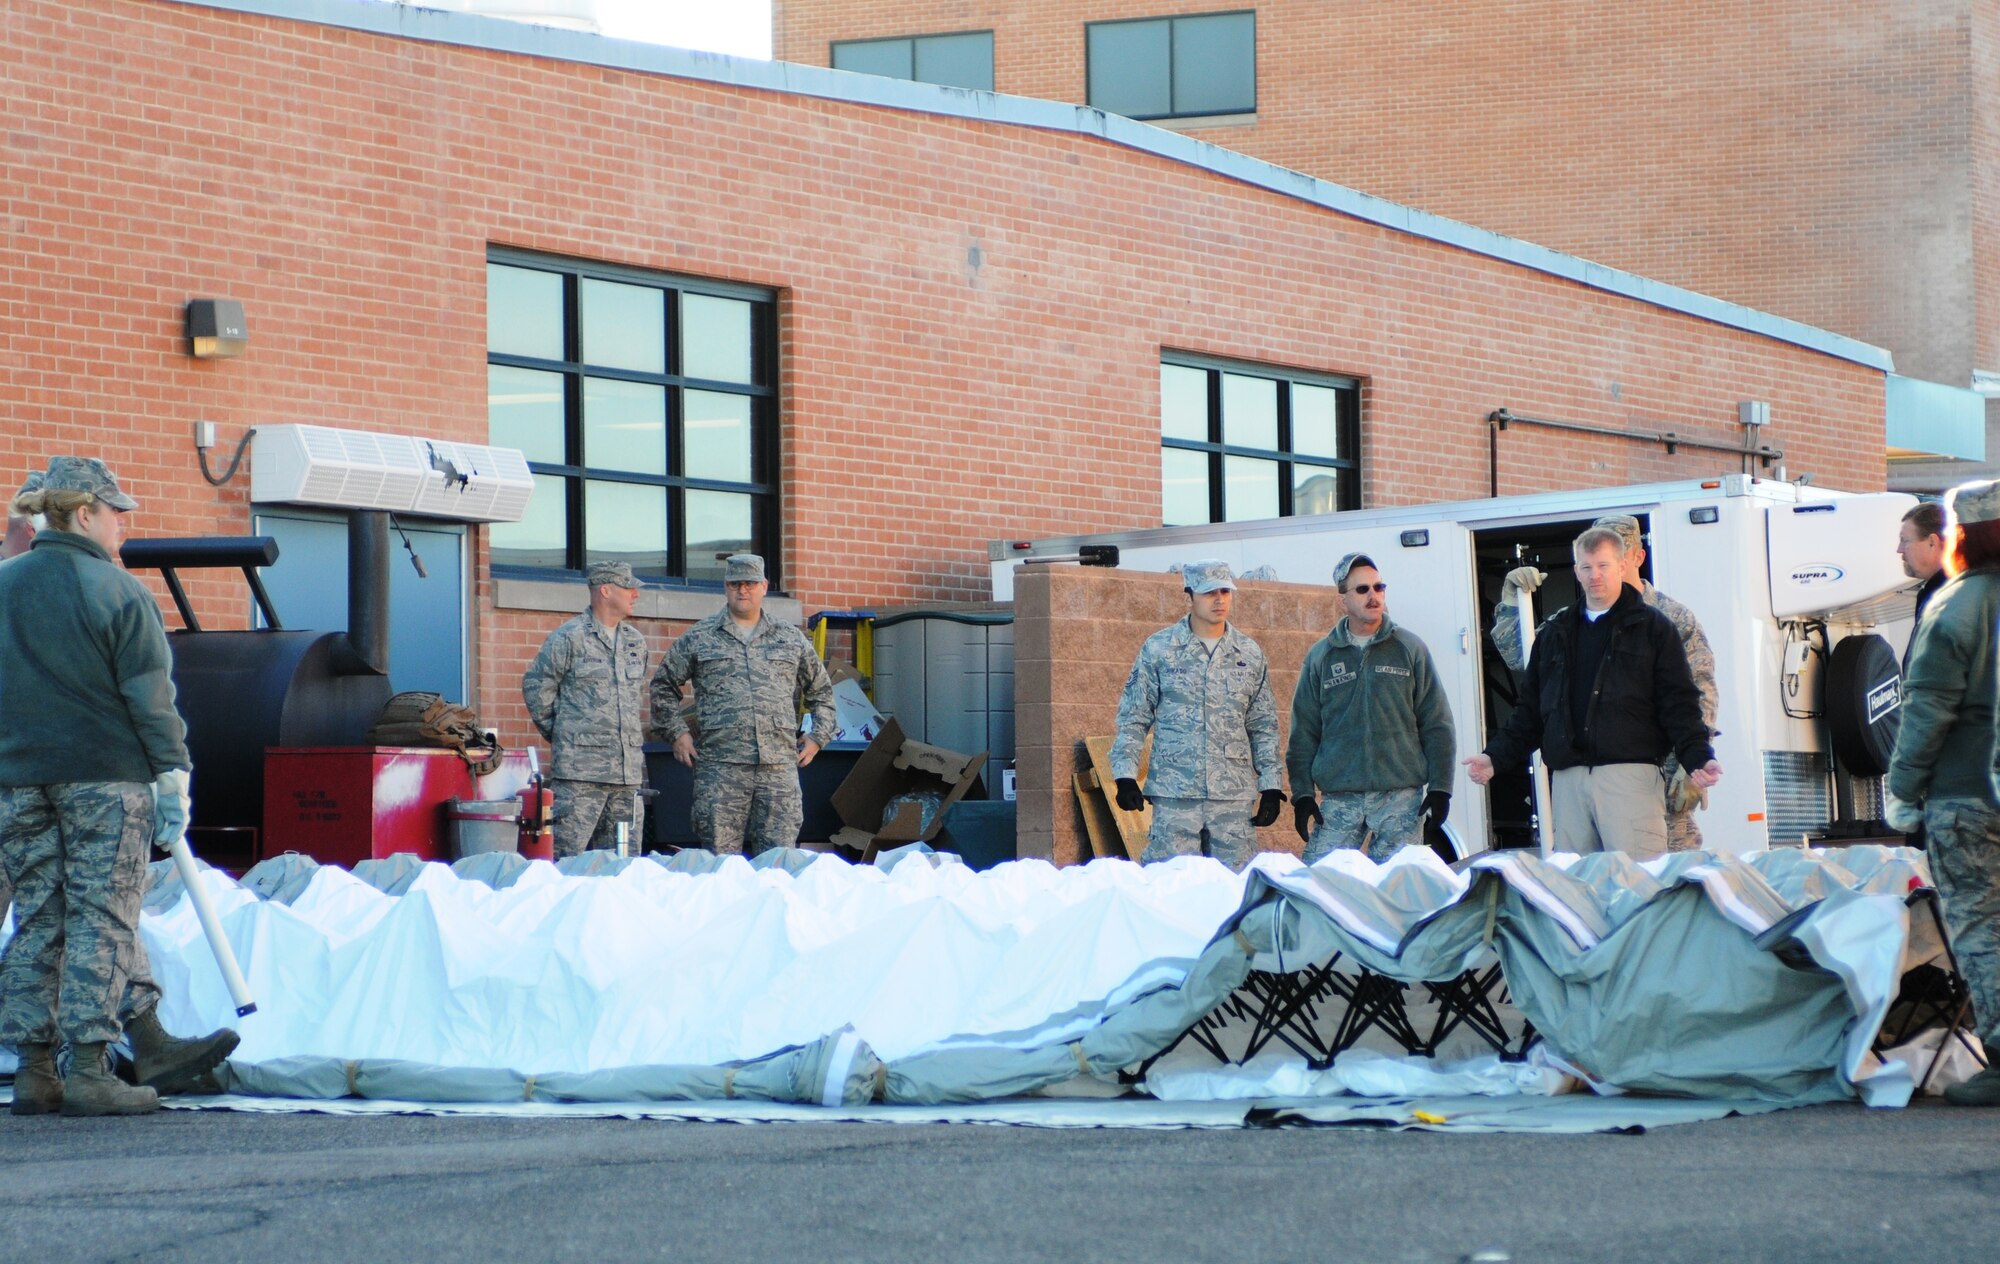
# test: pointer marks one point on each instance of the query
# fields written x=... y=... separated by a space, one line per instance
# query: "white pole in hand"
x=218 y=943
x=1545 y=826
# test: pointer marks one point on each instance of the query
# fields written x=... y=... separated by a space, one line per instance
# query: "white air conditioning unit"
x=352 y=469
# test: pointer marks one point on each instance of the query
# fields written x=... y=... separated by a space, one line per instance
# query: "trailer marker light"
x=1702 y=515
x=1754 y=816
x=1711 y=485
x=1022 y=546
x=1416 y=539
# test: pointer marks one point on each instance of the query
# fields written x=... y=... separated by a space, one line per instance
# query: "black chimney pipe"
x=366 y=648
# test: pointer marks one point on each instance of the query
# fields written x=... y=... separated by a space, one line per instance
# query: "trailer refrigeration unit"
x=1799 y=589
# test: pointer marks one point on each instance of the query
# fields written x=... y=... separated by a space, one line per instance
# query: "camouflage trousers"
x=76 y=856
x=587 y=813
x=1381 y=821
x=1682 y=833
x=1965 y=863
x=746 y=807
x=1180 y=825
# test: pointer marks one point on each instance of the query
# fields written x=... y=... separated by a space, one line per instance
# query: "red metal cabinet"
x=343 y=804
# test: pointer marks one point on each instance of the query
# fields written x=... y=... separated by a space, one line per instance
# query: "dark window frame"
x=912 y=40
x=1346 y=420
x=1173 y=21
x=763 y=487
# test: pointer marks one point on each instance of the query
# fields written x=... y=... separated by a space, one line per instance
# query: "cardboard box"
x=894 y=765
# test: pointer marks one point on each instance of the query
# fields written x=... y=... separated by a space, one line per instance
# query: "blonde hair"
x=1595 y=538
x=58 y=505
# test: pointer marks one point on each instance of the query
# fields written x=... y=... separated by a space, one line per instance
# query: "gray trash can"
x=479 y=826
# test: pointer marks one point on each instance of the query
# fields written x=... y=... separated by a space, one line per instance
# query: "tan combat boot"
x=167 y=1063
x=38 y=1089
x=92 y=1089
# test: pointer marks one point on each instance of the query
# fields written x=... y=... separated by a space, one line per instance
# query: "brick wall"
x=1825 y=160
x=1076 y=631
x=345 y=187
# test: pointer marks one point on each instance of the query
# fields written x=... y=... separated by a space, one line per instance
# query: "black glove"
x=1305 y=808
x=1436 y=804
x=1267 y=807
x=1129 y=797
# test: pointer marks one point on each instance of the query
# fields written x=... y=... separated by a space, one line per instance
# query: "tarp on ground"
x=1756 y=979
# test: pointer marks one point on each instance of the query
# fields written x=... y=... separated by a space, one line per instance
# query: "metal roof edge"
x=505 y=35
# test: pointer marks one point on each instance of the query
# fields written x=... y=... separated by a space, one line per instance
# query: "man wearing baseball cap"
x=585 y=691
x=749 y=673
x=1371 y=728
x=1203 y=690
x=1942 y=772
x=93 y=771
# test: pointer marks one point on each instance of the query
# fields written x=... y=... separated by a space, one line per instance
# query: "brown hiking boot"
x=169 y=1064
x=38 y=1089
x=1981 y=1090
x=91 y=1089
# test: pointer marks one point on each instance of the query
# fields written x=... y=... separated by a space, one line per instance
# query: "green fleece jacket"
x=86 y=679
x=1944 y=741
x=1373 y=718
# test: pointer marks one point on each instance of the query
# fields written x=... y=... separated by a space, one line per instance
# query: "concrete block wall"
x=1076 y=631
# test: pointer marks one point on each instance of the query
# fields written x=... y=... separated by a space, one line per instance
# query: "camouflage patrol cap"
x=1207 y=577
x=1627 y=528
x=86 y=474
x=615 y=574
x=743 y=568
x=1346 y=565
x=1974 y=502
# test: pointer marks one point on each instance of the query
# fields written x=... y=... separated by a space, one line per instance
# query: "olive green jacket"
x=1944 y=742
x=86 y=678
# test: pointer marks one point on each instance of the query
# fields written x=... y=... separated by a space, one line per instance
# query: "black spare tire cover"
x=1864 y=704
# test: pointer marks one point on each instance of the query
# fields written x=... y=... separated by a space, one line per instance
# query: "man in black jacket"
x=1607 y=696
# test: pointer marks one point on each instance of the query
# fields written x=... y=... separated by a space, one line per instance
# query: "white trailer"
x=1780 y=576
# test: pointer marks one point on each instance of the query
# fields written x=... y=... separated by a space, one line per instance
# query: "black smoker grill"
x=244 y=691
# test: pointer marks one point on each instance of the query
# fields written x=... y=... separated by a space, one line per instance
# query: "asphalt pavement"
x=1829 y=1183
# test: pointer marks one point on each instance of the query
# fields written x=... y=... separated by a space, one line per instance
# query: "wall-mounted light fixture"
x=216 y=328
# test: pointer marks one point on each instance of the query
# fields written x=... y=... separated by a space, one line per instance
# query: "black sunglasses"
x=1369 y=588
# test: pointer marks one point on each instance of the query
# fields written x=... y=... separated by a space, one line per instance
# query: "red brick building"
x=1831 y=162
x=863 y=325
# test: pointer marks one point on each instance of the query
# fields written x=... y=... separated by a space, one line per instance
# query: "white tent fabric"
x=816 y=980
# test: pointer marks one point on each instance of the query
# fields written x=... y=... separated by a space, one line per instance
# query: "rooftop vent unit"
x=352 y=469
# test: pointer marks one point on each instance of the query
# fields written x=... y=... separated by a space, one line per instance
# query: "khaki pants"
x=1612 y=807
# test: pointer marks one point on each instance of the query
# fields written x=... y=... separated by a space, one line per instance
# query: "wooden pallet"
x=1131 y=827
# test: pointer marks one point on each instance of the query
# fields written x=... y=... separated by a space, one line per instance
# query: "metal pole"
x=1544 y=825
x=211 y=926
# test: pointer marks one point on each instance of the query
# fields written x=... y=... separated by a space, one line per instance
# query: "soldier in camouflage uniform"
x=1682 y=796
x=21 y=530
x=584 y=692
x=93 y=769
x=1371 y=729
x=1204 y=691
x=1941 y=772
x=749 y=673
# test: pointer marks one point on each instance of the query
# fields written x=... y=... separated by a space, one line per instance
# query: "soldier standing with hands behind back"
x=584 y=692
x=749 y=672
x=1204 y=690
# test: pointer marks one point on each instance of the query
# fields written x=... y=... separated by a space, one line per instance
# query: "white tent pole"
x=1544 y=824
x=218 y=943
